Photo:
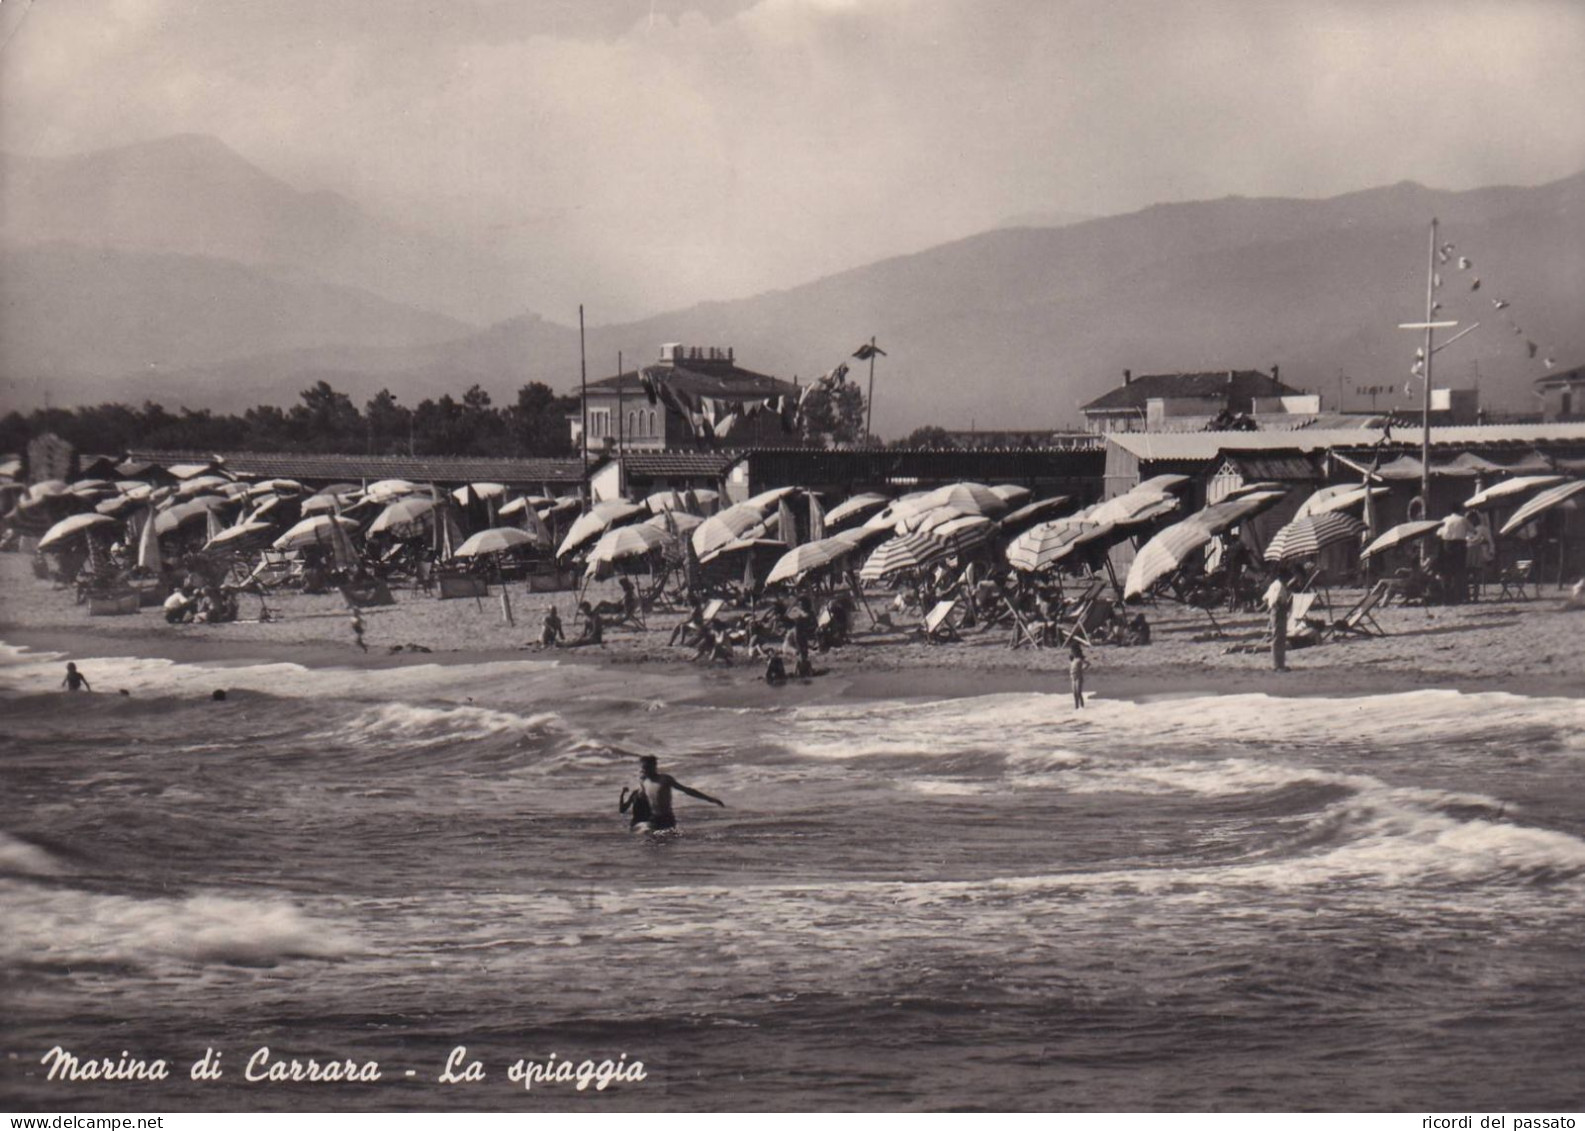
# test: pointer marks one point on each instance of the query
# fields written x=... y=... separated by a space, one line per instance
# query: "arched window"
x=652 y=431
x=631 y=430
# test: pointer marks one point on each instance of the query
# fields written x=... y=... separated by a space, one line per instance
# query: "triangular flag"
x=214 y=527
x=149 y=544
x=786 y=524
x=817 y=520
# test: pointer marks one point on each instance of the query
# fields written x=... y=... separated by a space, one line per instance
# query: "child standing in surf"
x=1077 y=666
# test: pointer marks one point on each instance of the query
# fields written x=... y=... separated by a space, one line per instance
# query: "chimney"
x=1128 y=375
x=1229 y=378
x=1276 y=374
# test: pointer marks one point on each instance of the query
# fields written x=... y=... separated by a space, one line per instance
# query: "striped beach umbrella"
x=1134 y=509
x=1041 y=547
x=1336 y=498
x=960 y=535
x=175 y=517
x=626 y=543
x=1307 y=537
x=906 y=551
x=734 y=524
x=1398 y=535
x=1165 y=554
x=1545 y=501
x=600 y=518
x=968 y=498
x=810 y=556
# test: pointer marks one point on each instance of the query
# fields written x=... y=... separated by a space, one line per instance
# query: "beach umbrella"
x=626 y=543
x=1011 y=493
x=728 y=526
x=115 y=505
x=1027 y=515
x=906 y=551
x=1398 y=535
x=962 y=534
x=327 y=502
x=46 y=489
x=1542 y=503
x=1134 y=508
x=199 y=484
x=674 y=523
x=524 y=503
x=78 y=524
x=389 y=490
x=664 y=501
x=403 y=516
x=274 y=487
x=1041 y=547
x=1165 y=554
x=1307 y=537
x=1336 y=498
x=861 y=536
x=175 y=517
x=1222 y=516
x=600 y=518
x=1161 y=484
x=496 y=540
x=767 y=499
x=750 y=557
x=967 y=498
x=935 y=516
x=1510 y=489
x=899 y=509
x=1260 y=488
x=496 y=491
x=810 y=556
x=859 y=506
x=90 y=486
x=314 y=531
x=249 y=535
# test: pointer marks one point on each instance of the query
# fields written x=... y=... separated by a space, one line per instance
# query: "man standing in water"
x=651 y=801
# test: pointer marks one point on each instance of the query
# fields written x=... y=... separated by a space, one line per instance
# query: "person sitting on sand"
x=656 y=788
x=690 y=627
x=593 y=628
x=775 y=668
x=713 y=645
x=178 y=607
x=75 y=680
x=550 y=632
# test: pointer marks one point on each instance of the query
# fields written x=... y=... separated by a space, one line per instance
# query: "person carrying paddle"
x=650 y=803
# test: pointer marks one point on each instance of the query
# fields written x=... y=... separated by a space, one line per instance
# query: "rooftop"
x=1241 y=384
x=339 y=466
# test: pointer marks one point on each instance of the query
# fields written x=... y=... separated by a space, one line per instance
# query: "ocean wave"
x=20 y=858
x=417 y=725
x=52 y=926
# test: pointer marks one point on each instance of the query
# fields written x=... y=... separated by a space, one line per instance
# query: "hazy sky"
x=658 y=152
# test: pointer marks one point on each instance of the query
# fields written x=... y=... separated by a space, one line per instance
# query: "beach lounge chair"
x=1077 y=621
x=938 y=627
x=1028 y=630
x=1515 y=578
x=1297 y=614
x=1359 y=620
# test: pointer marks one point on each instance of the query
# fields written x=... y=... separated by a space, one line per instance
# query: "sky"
x=649 y=154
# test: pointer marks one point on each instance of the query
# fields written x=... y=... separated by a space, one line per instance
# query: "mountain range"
x=177 y=271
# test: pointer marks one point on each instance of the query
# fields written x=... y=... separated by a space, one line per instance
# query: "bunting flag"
x=867 y=351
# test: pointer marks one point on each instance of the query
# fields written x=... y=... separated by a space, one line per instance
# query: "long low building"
x=546 y=476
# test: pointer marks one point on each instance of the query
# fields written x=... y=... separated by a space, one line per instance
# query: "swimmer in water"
x=75 y=680
x=650 y=803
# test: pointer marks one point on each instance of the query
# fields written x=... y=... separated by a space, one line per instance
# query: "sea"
x=1192 y=902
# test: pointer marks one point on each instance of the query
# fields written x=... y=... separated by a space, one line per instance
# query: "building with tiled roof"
x=1162 y=402
x=1562 y=395
x=622 y=417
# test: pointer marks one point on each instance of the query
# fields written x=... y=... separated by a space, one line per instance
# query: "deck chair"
x=1359 y=620
x=1076 y=623
x=938 y=627
x=1030 y=630
x=1297 y=612
x=1515 y=578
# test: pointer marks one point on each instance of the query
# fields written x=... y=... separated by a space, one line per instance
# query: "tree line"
x=323 y=420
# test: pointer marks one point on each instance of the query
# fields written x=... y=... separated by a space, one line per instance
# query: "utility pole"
x=621 y=435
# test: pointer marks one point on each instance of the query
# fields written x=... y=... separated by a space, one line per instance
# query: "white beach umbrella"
x=388 y=490
x=1336 y=498
x=1398 y=535
x=726 y=527
x=314 y=531
x=1165 y=554
x=859 y=506
x=496 y=540
x=625 y=543
x=1509 y=490
x=404 y=516
x=809 y=556
x=75 y=526
x=600 y=518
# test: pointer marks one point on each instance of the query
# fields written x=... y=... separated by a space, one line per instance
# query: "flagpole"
x=621 y=438
x=1425 y=418
x=583 y=384
x=869 y=408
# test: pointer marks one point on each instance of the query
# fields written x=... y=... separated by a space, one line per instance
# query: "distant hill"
x=1019 y=326
x=73 y=311
x=191 y=195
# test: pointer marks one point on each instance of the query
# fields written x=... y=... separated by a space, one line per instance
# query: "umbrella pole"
x=506 y=599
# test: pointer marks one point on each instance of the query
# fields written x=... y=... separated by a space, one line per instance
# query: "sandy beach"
x=1534 y=647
